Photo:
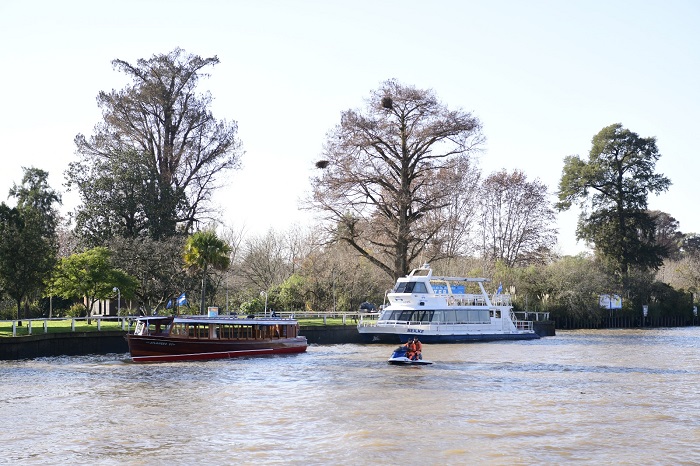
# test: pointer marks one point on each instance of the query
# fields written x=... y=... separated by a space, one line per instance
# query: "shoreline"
x=83 y=343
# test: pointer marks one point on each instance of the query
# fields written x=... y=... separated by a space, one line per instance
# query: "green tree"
x=291 y=293
x=154 y=161
x=90 y=275
x=35 y=193
x=390 y=174
x=667 y=235
x=205 y=250
x=612 y=189
x=114 y=194
x=690 y=244
x=28 y=240
x=156 y=264
x=26 y=257
x=570 y=294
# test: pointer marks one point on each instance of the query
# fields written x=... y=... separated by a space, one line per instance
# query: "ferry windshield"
x=411 y=287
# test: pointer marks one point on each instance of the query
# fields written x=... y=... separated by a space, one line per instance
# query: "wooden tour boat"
x=199 y=337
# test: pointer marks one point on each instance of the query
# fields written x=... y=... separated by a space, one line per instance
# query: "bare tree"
x=454 y=223
x=516 y=219
x=385 y=189
x=265 y=261
x=336 y=279
x=301 y=242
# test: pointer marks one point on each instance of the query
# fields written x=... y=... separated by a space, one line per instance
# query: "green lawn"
x=57 y=326
x=64 y=325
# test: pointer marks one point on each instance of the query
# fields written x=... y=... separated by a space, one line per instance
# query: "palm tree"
x=203 y=250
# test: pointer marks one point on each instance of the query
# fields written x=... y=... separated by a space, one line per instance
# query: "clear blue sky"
x=543 y=76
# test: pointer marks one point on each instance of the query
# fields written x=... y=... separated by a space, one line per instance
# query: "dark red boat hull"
x=164 y=349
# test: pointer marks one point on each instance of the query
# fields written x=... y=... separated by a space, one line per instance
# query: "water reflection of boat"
x=182 y=338
x=398 y=357
x=445 y=310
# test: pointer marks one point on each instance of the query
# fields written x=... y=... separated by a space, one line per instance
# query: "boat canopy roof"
x=425 y=272
x=205 y=320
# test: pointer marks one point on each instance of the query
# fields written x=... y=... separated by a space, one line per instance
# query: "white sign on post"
x=610 y=301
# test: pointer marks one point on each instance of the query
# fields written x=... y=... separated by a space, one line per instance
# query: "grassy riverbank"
x=81 y=325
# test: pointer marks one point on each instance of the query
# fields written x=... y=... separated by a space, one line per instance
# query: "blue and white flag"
x=170 y=304
x=182 y=300
x=500 y=288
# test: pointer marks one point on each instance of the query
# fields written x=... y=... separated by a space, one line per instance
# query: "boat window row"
x=232 y=331
x=462 y=316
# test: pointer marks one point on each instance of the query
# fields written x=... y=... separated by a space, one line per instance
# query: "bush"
x=77 y=310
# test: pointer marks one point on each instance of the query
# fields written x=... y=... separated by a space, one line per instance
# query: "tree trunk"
x=204 y=288
x=19 y=313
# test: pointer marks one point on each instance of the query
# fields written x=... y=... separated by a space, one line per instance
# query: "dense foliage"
x=154 y=160
x=92 y=276
x=612 y=188
x=399 y=186
x=28 y=241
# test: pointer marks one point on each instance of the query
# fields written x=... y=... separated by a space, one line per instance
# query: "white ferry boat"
x=444 y=310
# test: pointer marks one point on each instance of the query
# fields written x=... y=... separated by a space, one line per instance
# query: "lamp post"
x=119 y=299
x=265 y=294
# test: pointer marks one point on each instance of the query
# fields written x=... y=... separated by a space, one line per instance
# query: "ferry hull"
x=166 y=349
x=379 y=337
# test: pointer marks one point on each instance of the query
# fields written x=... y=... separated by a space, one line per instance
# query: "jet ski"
x=398 y=357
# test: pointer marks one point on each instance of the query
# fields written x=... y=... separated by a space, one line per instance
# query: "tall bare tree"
x=389 y=175
x=154 y=160
x=516 y=220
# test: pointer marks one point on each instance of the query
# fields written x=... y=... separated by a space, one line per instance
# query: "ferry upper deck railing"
x=469 y=299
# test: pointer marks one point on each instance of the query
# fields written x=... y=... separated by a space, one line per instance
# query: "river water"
x=586 y=397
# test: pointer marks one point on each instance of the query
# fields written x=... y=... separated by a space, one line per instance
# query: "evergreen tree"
x=612 y=187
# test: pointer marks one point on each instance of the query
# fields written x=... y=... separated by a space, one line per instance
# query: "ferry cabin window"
x=463 y=317
x=411 y=287
x=422 y=316
x=412 y=316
